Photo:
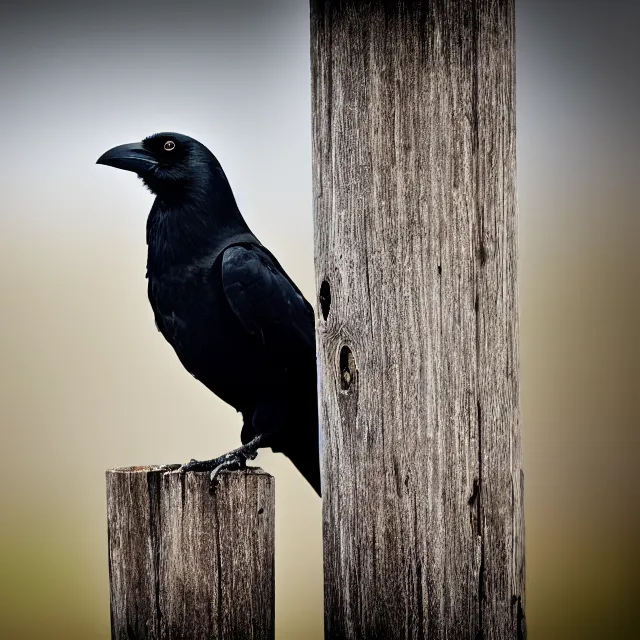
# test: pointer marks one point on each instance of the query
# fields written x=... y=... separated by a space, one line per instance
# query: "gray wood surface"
x=185 y=564
x=414 y=171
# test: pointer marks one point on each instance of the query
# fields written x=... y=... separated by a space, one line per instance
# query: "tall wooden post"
x=415 y=244
x=188 y=565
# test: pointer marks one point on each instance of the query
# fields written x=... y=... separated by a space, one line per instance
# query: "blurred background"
x=87 y=383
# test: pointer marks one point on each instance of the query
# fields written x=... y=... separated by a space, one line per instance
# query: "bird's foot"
x=200 y=465
x=233 y=461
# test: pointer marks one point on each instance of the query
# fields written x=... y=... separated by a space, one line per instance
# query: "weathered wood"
x=185 y=564
x=415 y=247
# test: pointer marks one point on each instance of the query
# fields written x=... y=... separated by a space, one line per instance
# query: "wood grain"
x=185 y=564
x=414 y=172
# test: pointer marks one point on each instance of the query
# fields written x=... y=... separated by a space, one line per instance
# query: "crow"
x=236 y=320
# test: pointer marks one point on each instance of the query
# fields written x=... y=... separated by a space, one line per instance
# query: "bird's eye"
x=169 y=145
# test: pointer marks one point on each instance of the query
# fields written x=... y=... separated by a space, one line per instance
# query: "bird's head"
x=166 y=162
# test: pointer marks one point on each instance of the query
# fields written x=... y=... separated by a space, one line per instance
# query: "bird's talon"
x=233 y=461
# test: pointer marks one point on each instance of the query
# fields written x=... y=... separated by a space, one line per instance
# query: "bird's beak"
x=130 y=157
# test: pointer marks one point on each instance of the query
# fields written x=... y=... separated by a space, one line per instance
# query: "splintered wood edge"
x=249 y=471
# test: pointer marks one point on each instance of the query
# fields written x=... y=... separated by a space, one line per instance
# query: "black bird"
x=236 y=320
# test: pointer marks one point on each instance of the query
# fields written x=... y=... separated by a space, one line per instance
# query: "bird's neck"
x=184 y=229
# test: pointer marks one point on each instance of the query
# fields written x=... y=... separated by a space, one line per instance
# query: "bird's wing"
x=266 y=302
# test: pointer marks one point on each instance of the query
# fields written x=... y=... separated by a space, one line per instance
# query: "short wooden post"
x=185 y=564
x=416 y=259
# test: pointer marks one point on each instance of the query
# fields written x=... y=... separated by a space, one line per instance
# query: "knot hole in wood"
x=348 y=368
x=325 y=299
